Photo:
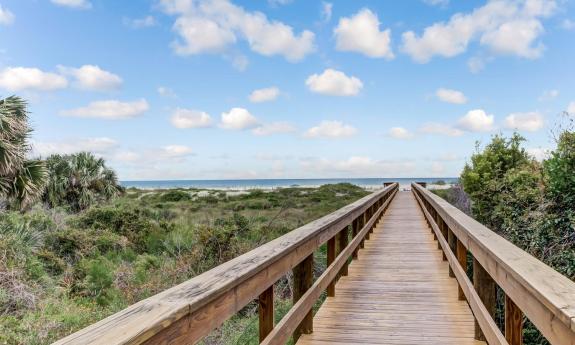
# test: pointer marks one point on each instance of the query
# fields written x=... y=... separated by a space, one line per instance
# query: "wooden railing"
x=532 y=288
x=188 y=312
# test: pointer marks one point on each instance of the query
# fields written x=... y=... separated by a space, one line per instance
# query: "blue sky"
x=210 y=89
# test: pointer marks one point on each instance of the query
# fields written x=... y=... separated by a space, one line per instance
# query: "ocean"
x=276 y=183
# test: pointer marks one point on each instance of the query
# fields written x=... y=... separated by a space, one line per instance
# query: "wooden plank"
x=545 y=296
x=266 y=312
x=302 y=281
x=513 y=323
x=355 y=230
x=461 y=253
x=343 y=241
x=486 y=290
x=331 y=254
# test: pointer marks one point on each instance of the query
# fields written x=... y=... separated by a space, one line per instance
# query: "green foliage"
x=21 y=180
x=175 y=196
x=79 y=180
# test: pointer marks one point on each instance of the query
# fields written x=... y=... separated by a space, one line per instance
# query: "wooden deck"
x=398 y=291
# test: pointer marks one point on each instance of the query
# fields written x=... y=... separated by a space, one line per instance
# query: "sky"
x=229 y=89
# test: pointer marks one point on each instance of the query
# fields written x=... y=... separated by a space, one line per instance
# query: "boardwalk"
x=398 y=292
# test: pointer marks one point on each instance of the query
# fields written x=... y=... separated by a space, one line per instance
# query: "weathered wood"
x=343 y=241
x=452 y=245
x=302 y=281
x=486 y=289
x=461 y=253
x=513 y=323
x=483 y=317
x=189 y=311
x=266 y=312
x=355 y=231
x=546 y=297
x=331 y=254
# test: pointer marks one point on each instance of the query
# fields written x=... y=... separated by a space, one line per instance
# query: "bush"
x=175 y=196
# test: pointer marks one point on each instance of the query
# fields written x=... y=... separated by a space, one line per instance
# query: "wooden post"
x=485 y=287
x=331 y=247
x=266 y=312
x=444 y=232
x=343 y=241
x=513 y=323
x=452 y=245
x=461 y=253
x=367 y=217
x=354 y=230
x=302 y=281
x=361 y=225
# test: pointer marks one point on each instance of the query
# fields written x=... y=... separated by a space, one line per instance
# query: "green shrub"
x=99 y=278
x=175 y=195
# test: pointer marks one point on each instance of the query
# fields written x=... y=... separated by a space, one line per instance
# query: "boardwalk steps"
x=407 y=284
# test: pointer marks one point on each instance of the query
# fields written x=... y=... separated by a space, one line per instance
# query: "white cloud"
x=331 y=129
x=187 y=118
x=539 y=153
x=568 y=24
x=548 y=95
x=264 y=95
x=400 y=133
x=356 y=166
x=361 y=34
x=6 y=17
x=24 y=78
x=334 y=83
x=237 y=119
x=504 y=26
x=273 y=128
x=210 y=26
x=530 y=122
x=326 y=11
x=439 y=3
x=476 y=64
x=166 y=92
x=95 y=145
x=476 y=121
x=571 y=108
x=437 y=168
x=78 y=4
x=240 y=62
x=91 y=77
x=451 y=96
x=139 y=23
x=109 y=109
x=176 y=151
x=279 y=2
x=441 y=129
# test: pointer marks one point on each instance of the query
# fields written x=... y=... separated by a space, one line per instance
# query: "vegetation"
x=21 y=179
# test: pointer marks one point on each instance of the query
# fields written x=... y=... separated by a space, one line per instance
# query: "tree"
x=78 y=180
x=22 y=180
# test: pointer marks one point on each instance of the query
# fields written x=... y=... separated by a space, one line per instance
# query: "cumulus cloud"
x=441 y=129
x=334 y=83
x=360 y=33
x=176 y=151
x=6 y=17
x=548 y=95
x=539 y=153
x=571 y=108
x=91 y=77
x=451 y=96
x=400 y=133
x=264 y=95
x=109 y=109
x=96 y=145
x=25 y=78
x=504 y=26
x=476 y=121
x=77 y=4
x=530 y=122
x=331 y=129
x=210 y=26
x=166 y=91
x=273 y=128
x=187 y=118
x=139 y=23
x=238 y=119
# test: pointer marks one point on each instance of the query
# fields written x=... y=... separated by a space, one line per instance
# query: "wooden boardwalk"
x=398 y=291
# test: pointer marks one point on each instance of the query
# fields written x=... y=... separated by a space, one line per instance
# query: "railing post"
x=366 y=218
x=452 y=241
x=485 y=287
x=354 y=231
x=444 y=232
x=361 y=225
x=266 y=312
x=461 y=253
x=513 y=323
x=343 y=241
x=331 y=247
x=302 y=281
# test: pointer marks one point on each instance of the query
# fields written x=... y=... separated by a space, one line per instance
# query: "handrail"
x=545 y=296
x=189 y=311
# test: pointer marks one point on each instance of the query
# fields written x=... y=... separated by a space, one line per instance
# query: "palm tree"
x=78 y=180
x=21 y=180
